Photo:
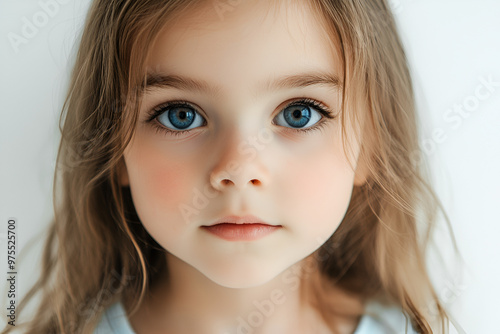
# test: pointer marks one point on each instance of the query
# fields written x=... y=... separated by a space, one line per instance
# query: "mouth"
x=241 y=232
x=248 y=219
x=234 y=228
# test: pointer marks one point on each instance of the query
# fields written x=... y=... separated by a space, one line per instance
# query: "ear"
x=122 y=173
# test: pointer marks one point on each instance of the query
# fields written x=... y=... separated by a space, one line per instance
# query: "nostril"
x=255 y=182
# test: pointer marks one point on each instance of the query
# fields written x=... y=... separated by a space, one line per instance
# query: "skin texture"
x=239 y=162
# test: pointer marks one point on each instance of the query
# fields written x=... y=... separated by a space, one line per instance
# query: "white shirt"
x=378 y=319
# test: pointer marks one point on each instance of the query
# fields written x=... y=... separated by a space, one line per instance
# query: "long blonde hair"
x=97 y=251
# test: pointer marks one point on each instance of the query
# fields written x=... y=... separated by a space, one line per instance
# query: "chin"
x=242 y=276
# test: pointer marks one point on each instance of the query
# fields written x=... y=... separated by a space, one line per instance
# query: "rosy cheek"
x=167 y=183
x=159 y=184
x=318 y=191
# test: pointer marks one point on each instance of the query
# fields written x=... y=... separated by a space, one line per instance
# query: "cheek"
x=159 y=184
x=319 y=192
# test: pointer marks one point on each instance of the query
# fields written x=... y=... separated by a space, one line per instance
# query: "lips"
x=234 y=228
x=248 y=219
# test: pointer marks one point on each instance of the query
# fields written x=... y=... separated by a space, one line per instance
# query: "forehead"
x=244 y=45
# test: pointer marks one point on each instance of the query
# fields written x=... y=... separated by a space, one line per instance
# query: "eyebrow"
x=161 y=81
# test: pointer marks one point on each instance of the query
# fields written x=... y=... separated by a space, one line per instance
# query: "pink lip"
x=244 y=232
x=234 y=228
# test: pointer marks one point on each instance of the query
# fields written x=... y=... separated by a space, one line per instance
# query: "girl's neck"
x=188 y=302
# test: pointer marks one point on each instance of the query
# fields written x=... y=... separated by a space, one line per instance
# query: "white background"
x=451 y=45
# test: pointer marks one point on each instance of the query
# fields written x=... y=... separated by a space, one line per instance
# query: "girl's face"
x=246 y=150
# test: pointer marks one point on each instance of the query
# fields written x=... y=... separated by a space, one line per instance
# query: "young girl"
x=239 y=167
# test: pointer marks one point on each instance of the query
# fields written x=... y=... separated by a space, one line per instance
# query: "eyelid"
x=317 y=105
x=158 y=110
x=325 y=112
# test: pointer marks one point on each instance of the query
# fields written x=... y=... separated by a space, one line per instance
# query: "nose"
x=240 y=165
x=223 y=181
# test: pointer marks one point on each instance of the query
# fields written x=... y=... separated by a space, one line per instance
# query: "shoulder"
x=383 y=319
x=377 y=319
x=114 y=321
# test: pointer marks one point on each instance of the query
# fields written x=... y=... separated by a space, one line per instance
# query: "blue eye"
x=178 y=117
x=303 y=115
x=298 y=116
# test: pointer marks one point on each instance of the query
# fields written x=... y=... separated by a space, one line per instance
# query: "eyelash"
x=320 y=107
